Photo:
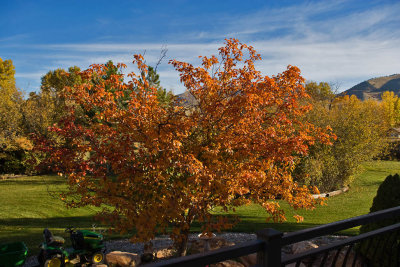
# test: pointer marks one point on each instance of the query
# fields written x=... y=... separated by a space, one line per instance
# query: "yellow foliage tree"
x=12 y=140
x=391 y=105
x=361 y=135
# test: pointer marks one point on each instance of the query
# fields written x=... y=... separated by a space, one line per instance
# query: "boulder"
x=294 y=265
x=317 y=261
x=123 y=259
x=198 y=245
x=219 y=242
x=228 y=263
x=341 y=257
x=165 y=253
x=303 y=246
x=249 y=260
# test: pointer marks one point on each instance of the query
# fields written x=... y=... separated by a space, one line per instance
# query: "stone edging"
x=333 y=193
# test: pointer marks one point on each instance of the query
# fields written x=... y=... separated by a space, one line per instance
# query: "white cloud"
x=347 y=48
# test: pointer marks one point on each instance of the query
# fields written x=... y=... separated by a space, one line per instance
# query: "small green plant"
x=388 y=196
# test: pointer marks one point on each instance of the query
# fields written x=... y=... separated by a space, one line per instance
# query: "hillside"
x=373 y=88
x=187 y=99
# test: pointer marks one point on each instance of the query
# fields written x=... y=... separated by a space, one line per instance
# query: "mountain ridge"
x=369 y=89
x=374 y=87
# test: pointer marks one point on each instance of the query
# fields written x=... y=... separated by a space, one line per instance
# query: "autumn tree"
x=391 y=105
x=41 y=110
x=321 y=92
x=361 y=136
x=171 y=165
x=44 y=109
x=13 y=143
x=10 y=99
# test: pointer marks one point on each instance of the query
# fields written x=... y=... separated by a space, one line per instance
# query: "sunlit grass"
x=357 y=201
x=30 y=204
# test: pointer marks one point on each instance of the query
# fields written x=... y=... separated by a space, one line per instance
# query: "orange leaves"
x=298 y=218
x=156 y=166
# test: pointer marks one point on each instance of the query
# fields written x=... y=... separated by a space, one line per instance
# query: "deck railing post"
x=270 y=256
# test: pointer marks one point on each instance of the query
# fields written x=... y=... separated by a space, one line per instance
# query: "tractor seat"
x=52 y=240
x=78 y=241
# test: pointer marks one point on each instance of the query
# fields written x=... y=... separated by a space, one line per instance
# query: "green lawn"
x=30 y=204
x=357 y=201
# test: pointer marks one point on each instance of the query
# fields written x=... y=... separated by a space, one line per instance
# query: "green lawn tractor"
x=87 y=247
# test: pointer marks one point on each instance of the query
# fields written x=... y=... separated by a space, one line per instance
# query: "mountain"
x=373 y=88
x=187 y=99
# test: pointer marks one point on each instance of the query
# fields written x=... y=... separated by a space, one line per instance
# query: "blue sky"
x=342 y=42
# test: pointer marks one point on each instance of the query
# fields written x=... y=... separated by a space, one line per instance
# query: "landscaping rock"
x=294 y=265
x=219 y=242
x=228 y=263
x=123 y=259
x=303 y=246
x=349 y=262
x=165 y=253
x=198 y=245
x=340 y=260
x=249 y=260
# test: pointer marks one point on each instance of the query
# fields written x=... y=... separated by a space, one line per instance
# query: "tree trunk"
x=182 y=246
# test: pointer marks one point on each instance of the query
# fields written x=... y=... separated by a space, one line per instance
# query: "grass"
x=30 y=204
x=357 y=201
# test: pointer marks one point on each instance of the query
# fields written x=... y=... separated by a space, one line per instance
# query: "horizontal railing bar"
x=214 y=256
x=334 y=227
x=293 y=258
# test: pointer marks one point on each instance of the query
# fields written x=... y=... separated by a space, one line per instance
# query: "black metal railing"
x=383 y=243
x=213 y=256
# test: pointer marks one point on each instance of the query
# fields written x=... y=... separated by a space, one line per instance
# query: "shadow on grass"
x=369 y=183
x=56 y=222
x=252 y=224
x=30 y=230
x=33 y=181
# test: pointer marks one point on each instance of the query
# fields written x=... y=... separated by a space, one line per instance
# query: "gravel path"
x=158 y=243
x=162 y=242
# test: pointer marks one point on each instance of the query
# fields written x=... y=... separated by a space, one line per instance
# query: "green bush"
x=360 y=128
x=388 y=196
x=11 y=162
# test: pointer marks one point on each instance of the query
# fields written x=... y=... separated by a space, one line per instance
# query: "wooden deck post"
x=270 y=256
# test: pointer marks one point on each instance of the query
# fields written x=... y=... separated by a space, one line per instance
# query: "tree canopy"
x=360 y=128
x=12 y=139
x=172 y=165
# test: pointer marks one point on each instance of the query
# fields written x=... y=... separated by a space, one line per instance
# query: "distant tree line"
x=153 y=164
x=25 y=117
x=360 y=126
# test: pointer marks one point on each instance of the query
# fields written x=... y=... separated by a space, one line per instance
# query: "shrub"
x=388 y=196
x=361 y=136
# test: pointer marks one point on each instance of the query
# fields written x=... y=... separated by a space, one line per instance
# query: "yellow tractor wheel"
x=98 y=257
x=54 y=262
